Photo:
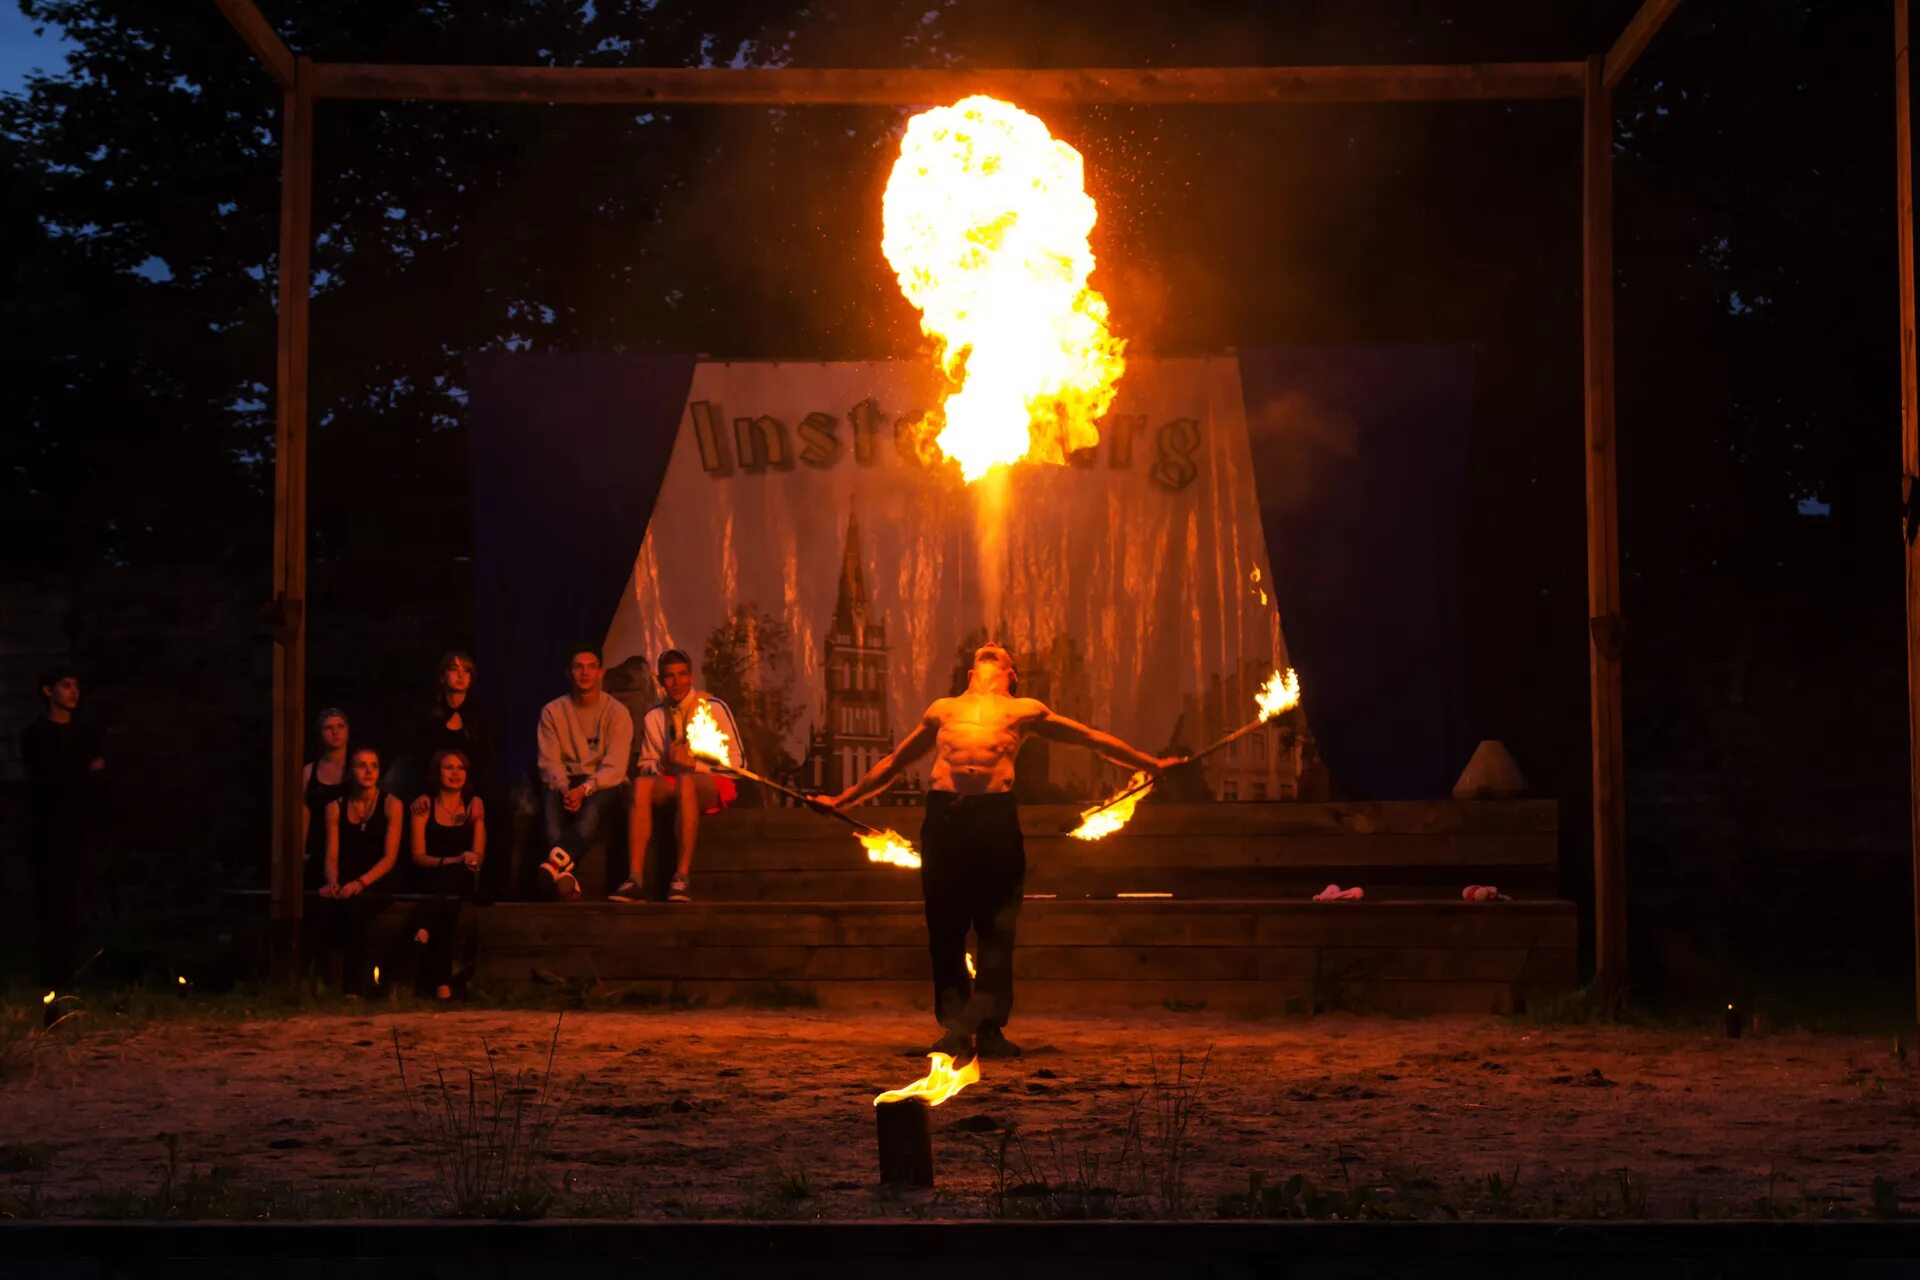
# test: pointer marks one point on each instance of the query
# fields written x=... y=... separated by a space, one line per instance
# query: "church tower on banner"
x=856 y=729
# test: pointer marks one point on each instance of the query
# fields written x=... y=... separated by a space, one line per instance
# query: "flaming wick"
x=1280 y=693
x=940 y=1083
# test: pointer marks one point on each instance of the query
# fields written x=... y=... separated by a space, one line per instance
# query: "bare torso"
x=978 y=736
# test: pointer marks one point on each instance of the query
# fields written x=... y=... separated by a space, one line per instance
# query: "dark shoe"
x=955 y=1045
x=993 y=1043
x=629 y=891
x=677 y=890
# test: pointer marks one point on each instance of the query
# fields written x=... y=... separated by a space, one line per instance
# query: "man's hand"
x=1165 y=763
x=836 y=803
x=420 y=807
x=574 y=798
x=680 y=754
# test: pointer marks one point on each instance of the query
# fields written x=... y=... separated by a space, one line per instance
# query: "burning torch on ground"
x=709 y=742
x=1280 y=693
x=903 y=1121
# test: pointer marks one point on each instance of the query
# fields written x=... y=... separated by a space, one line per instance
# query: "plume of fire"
x=48 y=998
x=1104 y=819
x=376 y=975
x=706 y=739
x=941 y=1082
x=890 y=848
x=971 y=971
x=985 y=222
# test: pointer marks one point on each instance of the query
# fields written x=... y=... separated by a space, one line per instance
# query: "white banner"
x=828 y=583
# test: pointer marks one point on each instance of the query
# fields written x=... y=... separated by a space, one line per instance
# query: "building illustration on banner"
x=855 y=728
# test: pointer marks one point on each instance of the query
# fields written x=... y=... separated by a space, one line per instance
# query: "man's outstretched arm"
x=889 y=766
x=1059 y=728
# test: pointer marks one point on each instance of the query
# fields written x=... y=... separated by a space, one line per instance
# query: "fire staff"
x=974 y=863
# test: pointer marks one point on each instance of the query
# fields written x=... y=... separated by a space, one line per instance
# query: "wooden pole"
x=781 y=86
x=1909 y=434
x=290 y=514
x=260 y=37
x=1606 y=630
x=1640 y=31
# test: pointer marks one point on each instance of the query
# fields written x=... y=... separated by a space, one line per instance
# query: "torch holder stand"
x=905 y=1133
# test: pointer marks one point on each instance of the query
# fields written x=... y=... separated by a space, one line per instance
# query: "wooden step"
x=1244 y=956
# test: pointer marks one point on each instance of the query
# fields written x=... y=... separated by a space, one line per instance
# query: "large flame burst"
x=941 y=1082
x=1108 y=817
x=986 y=223
x=1280 y=693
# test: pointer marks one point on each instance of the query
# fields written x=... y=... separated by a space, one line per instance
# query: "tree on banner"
x=748 y=664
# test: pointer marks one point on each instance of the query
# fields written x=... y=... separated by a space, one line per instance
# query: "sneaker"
x=956 y=1045
x=629 y=891
x=559 y=868
x=993 y=1043
x=677 y=891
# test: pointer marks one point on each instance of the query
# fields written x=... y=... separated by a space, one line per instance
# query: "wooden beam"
x=1909 y=432
x=799 y=86
x=290 y=515
x=1605 y=626
x=1633 y=42
x=262 y=39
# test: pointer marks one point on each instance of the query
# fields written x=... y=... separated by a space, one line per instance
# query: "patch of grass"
x=776 y=995
x=792 y=1184
x=1175 y=1105
x=26 y=1038
x=1341 y=988
x=490 y=1136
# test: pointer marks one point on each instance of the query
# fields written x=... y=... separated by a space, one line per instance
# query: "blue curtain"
x=568 y=455
x=1360 y=460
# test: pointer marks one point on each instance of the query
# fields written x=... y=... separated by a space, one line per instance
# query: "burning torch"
x=1280 y=693
x=709 y=742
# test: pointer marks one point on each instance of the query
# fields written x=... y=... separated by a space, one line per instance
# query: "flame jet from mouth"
x=985 y=222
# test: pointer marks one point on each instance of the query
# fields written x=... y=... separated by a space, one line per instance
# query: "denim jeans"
x=575 y=832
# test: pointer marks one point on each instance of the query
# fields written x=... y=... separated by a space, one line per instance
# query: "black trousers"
x=973 y=871
x=57 y=856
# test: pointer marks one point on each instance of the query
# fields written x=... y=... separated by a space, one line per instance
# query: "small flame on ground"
x=1280 y=693
x=376 y=975
x=974 y=973
x=890 y=848
x=48 y=998
x=182 y=979
x=1103 y=820
x=1143 y=895
x=705 y=738
x=939 y=1084
x=985 y=222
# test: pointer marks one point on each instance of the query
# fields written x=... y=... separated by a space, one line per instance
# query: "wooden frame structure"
x=305 y=83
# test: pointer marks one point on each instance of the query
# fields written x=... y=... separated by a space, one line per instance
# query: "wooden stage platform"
x=788 y=907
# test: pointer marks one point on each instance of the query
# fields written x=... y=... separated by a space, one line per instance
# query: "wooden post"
x=290 y=514
x=1909 y=435
x=1606 y=630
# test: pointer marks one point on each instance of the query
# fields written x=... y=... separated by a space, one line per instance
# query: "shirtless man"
x=974 y=865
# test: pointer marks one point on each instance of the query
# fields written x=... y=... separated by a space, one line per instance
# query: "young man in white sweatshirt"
x=668 y=775
x=586 y=742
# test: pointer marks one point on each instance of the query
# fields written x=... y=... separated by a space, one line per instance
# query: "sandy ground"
x=708 y=1112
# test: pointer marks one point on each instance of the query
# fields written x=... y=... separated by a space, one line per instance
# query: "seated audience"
x=668 y=775
x=449 y=846
x=586 y=742
x=363 y=846
x=323 y=781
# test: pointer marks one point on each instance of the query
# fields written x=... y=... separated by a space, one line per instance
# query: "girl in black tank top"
x=449 y=840
x=316 y=795
x=363 y=832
